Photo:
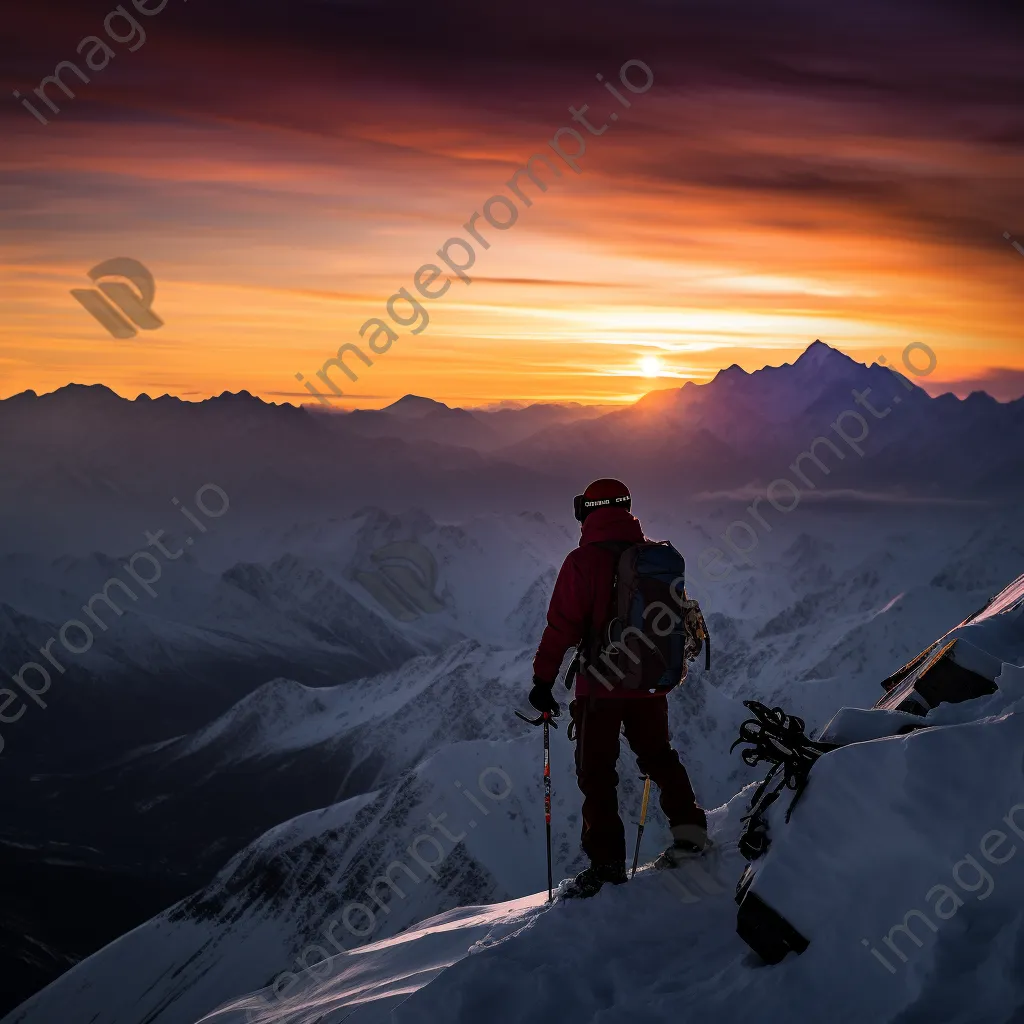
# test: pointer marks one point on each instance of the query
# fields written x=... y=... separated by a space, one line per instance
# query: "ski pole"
x=547 y=721
x=547 y=795
x=640 y=823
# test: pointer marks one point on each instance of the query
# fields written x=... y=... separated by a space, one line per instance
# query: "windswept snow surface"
x=911 y=847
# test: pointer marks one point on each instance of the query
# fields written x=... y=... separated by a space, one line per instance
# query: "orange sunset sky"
x=795 y=172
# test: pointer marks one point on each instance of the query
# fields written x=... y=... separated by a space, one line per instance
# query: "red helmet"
x=604 y=493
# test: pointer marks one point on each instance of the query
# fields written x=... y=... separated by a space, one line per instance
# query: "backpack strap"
x=616 y=547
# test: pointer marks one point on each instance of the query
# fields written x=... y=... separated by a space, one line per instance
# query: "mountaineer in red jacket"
x=581 y=602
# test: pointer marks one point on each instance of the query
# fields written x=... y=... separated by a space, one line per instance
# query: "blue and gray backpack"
x=653 y=629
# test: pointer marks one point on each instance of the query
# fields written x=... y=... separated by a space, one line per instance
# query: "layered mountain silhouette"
x=76 y=449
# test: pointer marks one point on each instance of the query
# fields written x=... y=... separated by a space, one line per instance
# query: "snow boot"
x=689 y=844
x=589 y=881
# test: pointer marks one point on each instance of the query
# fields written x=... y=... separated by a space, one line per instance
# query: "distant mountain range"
x=88 y=466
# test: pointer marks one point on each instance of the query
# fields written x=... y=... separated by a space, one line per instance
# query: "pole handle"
x=640 y=823
x=643 y=805
x=539 y=720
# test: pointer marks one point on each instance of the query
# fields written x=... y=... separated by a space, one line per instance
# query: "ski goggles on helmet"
x=582 y=506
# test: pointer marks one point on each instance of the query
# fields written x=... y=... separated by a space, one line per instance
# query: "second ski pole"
x=640 y=823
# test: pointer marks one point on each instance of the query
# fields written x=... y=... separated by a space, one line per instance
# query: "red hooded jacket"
x=583 y=595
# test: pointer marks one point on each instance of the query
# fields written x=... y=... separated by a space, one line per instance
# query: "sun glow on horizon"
x=650 y=366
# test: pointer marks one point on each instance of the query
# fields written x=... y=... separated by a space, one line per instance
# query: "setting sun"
x=650 y=366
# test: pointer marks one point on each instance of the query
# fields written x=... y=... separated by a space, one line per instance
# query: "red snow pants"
x=598 y=721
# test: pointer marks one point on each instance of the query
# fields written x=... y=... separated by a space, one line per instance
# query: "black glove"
x=542 y=699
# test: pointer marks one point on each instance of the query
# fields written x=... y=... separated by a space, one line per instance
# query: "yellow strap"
x=643 y=806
